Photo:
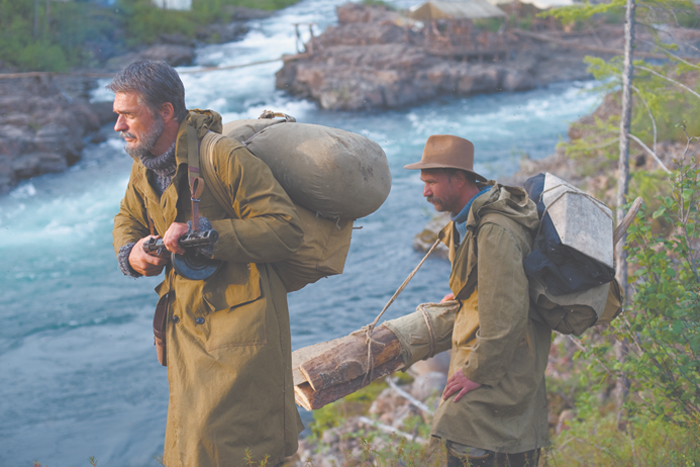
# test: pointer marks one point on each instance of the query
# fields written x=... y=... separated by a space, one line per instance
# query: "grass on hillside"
x=70 y=34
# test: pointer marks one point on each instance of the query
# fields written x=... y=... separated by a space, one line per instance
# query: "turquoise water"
x=78 y=372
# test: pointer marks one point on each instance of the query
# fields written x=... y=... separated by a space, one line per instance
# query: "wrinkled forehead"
x=130 y=102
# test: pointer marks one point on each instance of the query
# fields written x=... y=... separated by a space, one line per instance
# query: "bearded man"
x=228 y=337
x=498 y=415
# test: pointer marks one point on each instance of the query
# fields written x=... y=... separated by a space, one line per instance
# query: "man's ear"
x=167 y=111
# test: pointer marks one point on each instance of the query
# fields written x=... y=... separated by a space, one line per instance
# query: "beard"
x=144 y=144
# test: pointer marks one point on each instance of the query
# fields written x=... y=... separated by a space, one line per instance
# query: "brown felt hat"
x=447 y=152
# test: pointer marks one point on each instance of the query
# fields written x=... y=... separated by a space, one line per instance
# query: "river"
x=78 y=371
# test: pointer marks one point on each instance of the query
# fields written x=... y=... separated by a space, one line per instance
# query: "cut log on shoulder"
x=350 y=359
x=326 y=372
x=311 y=400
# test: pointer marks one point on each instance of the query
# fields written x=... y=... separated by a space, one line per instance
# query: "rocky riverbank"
x=372 y=61
x=46 y=120
x=44 y=124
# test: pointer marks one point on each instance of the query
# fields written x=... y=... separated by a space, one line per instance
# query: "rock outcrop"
x=369 y=62
x=43 y=125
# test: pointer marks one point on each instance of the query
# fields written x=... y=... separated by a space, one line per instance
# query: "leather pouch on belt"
x=159 y=322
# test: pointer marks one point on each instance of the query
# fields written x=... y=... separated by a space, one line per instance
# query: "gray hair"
x=155 y=83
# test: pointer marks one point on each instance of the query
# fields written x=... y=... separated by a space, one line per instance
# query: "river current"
x=78 y=371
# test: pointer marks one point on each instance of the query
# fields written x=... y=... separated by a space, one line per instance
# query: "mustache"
x=126 y=134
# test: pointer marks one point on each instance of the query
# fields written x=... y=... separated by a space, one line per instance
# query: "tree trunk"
x=622 y=386
x=623 y=163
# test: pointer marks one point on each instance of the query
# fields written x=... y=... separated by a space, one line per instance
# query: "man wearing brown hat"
x=494 y=409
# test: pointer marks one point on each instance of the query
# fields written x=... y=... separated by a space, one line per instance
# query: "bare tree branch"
x=652 y=153
x=680 y=59
x=656 y=73
x=651 y=116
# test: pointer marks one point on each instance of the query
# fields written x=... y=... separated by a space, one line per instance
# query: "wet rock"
x=515 y=80
x=427 y=237
x=104 y=112
x=372 y=60
x=356 y=13
x=175 y=55
x=429 y=385
x=240 y=13
x=439 y=363
x=215 y=33
x=43 y=122
x=175 y=39
x=29 y=165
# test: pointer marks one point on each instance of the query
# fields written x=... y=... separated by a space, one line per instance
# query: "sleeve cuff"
x=123 y=259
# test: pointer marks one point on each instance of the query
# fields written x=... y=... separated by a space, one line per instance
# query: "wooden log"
x=349 y=360
x=340 y=367
x=307 y=353
x=309 y=399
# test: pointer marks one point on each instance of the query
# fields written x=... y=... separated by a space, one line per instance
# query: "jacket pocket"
x=233 y=285
x=243 y=326
x=238 y=313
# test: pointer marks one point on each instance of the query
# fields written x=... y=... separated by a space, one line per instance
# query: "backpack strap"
x=209 y=171
x=196 y=182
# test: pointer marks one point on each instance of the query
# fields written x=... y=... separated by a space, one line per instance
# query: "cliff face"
x=368 y=62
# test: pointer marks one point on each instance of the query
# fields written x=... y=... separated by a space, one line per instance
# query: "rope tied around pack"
x=368 y=329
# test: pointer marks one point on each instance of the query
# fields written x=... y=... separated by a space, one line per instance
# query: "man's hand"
x=144 y=263
x=460 y=383
x=172 y=237
x=449 y=296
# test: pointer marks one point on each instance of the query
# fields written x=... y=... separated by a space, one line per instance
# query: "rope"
x=368 y=329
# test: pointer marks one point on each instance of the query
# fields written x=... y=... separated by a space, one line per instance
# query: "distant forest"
x=46 y=35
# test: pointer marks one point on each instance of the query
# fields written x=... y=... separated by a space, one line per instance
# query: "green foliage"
x=144 y=23
x=661 y=328
x=252 y=463
x=58 y=42
x=75 y=33
x=613 y=10
x=380 y=3
x=596 y=441
x=489 y=24
x=356 y=403
x=391 y=451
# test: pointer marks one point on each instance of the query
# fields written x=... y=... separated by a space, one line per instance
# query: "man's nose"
x=121 y=124
x=426 y=190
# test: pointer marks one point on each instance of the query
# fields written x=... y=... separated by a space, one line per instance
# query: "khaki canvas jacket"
x=494 y=342
x=228 y=337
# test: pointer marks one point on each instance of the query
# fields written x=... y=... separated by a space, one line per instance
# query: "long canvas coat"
x=228 y=337
x=494 y=342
